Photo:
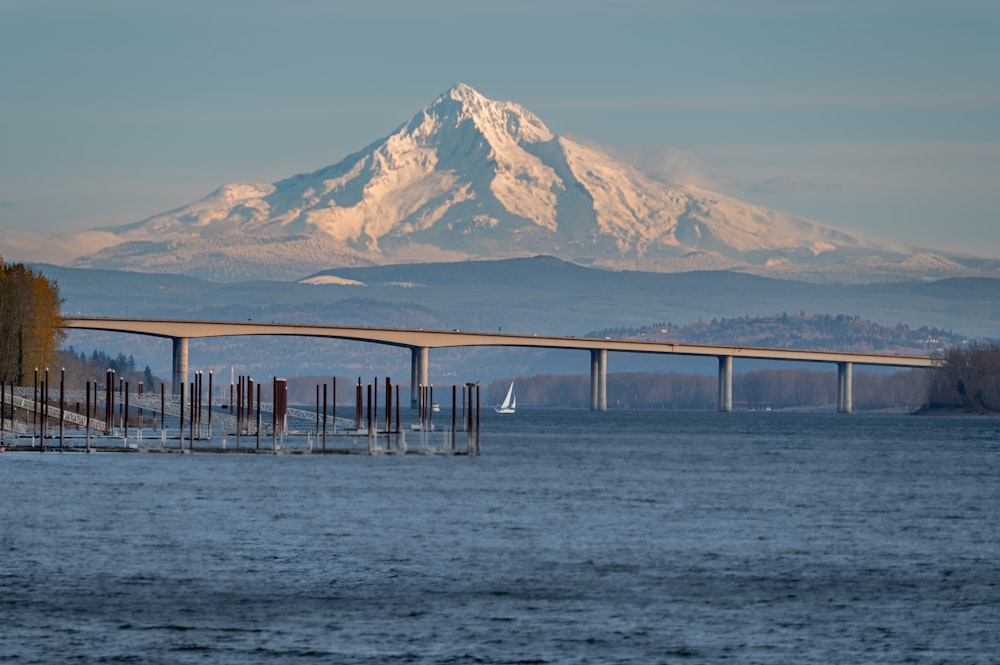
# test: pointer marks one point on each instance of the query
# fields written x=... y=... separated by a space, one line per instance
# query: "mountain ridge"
x=545 y=296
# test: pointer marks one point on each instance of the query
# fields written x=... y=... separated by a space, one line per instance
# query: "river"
x=577 y=537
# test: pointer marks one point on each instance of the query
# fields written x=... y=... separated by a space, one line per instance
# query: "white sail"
x=509 y=402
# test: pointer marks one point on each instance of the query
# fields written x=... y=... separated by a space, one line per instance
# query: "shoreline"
x=938 y=410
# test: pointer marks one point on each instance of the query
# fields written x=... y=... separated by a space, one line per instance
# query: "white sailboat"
x=509 y=402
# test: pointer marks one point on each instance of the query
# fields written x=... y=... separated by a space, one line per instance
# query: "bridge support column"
x=598 y=380
x=178 y=378
x=845 y=380
x=418 y=373
x=725 y=384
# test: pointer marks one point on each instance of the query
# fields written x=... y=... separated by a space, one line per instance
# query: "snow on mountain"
x=321 y=280
x=469 y=177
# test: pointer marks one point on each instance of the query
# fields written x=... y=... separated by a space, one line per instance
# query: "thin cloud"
x=665 y=163
x=789 y=184
x=670 y=164
x=59 y=249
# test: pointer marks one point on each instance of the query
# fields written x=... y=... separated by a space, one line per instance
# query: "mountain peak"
x=462 y=92
x=468 y=98
x=471 y=177
x=497 y=121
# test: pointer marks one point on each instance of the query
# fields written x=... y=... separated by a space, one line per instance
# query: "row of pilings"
x=470 y=411
x=113 y=416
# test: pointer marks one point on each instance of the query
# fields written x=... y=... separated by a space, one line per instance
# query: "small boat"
x=435 y=407
x=509 y=402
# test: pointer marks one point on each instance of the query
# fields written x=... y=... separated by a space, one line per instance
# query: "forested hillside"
x=798 y=331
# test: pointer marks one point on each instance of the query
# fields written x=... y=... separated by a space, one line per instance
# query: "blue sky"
x=881 y=116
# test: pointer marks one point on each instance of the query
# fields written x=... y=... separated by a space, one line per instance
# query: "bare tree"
x=969 y=378
x=30 y=321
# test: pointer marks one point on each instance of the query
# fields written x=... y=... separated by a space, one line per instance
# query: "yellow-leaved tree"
x=30 y=321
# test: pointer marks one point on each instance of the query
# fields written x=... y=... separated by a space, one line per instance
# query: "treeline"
x=81 y=368
x=968 y=379
x=30 y=321
x=758 y=389
x=826 y=331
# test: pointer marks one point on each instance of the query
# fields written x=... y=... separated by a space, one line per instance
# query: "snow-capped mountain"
x=469 y=177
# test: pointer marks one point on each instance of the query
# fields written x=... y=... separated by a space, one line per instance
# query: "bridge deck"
x=418 y=338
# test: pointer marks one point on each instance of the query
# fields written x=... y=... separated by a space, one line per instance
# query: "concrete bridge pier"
x=598 y=379
x=845 y=380
x=725 y=384
x=418 y=373
x=178 y=378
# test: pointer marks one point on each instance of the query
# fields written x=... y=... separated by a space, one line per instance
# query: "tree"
x=969 y=378
x=30 y=321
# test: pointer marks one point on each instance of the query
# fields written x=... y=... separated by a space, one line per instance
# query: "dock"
x=121 y=421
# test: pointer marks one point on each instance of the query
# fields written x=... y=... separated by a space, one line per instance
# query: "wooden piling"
x=249 y=414
x=125 y=402
x=454 y=415
x=388 y=406
x=121 y=400
x=368 y=420
x=62 y=407
x=239 y=410
x=86 y=419
x=180 y=434
x=45 y=405
x=359 y=411
x=191 y=401
x=140 y=409
x=209 y=404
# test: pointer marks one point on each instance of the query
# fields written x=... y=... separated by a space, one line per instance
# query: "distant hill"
x=800 y=331
x=541 y=295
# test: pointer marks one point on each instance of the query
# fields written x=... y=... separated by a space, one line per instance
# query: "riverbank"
x=940 y=410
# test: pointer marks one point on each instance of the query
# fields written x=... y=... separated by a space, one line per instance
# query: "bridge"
x=420 y=342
